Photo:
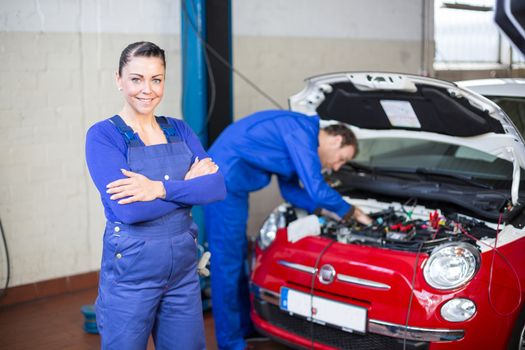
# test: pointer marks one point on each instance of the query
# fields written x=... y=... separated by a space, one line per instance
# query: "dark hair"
x=140 y=49
x=347 y=134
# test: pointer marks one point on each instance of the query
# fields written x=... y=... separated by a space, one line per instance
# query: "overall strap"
x=168 y=129
x=129 y=135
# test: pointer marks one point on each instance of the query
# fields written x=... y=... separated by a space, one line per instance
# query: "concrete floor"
x=55 y=323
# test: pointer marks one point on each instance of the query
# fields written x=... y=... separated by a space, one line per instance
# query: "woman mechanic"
x=149 y=171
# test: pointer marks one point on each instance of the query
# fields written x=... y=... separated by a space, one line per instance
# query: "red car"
x=440 y=171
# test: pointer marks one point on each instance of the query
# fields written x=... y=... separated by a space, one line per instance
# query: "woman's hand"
x=135 y=188
x=201 y=168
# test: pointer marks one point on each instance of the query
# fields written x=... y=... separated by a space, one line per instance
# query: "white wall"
x=57 y=64
x=279 y=43
x=354 y=19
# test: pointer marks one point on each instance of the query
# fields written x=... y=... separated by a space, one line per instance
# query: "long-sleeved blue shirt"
x=277 y=142
x=106 y=154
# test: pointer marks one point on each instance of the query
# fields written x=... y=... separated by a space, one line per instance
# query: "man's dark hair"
x=140 y=49
x=348 y=136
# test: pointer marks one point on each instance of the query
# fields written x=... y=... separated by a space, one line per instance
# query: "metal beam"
x=219 y=49
x=194 y=76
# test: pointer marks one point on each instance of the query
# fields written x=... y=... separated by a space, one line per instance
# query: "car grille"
x=330 y=336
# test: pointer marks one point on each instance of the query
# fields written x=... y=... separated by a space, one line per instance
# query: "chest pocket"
x=161 y=162
x=169 y=161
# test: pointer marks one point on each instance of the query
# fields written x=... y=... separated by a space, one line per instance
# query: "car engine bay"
x=399 y=231
x=398 y=228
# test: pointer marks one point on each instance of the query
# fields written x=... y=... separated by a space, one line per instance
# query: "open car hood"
x=505 y=87
x=415 y=107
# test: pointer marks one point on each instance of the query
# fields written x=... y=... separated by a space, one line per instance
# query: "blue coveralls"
x=248 y=152
x=148 y=279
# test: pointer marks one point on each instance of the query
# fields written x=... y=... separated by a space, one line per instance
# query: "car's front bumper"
x=270 y=319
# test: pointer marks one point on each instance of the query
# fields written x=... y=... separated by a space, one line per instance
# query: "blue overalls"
x=249 y=152
x=148 y=279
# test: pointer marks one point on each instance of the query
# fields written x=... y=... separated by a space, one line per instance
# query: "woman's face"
x=142 y=84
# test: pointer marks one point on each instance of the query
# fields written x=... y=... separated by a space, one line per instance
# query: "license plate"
x=349 y=318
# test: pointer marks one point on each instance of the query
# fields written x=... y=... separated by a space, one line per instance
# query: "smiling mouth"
x=144 y=99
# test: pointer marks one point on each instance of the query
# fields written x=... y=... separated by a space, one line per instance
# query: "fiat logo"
x=326 y=274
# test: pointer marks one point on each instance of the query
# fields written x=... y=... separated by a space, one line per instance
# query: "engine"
x=394 y=227
x=395 y=230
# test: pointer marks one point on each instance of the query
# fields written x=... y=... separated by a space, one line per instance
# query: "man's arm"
x=293 y=193
x=303 y=153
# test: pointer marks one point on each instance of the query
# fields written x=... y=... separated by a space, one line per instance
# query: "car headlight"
x=273 y=222
x=458 y=310
x=451 y=265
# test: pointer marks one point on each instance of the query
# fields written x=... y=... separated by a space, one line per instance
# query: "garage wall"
x=280 y=43
x=57 y=62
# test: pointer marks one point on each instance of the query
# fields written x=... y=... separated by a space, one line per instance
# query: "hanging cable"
x=224 y=61
x=312 y=290
x=409 y=213
x=8 y=264
x=495 y=251
x=409 y=308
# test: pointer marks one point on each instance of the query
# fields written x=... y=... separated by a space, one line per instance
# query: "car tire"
x=517 y=338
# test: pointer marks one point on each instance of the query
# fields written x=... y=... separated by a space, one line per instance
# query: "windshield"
x=514 y=107
x=430 y=157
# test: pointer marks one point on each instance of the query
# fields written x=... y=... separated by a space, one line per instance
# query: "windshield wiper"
x=358 y=167
x=444 y=173
x=418 y=171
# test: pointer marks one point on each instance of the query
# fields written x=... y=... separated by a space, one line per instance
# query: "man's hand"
x=358 y=215
x=361 y=217
x=200 y=168
x=327 y=213
x=135 y=188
